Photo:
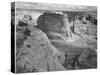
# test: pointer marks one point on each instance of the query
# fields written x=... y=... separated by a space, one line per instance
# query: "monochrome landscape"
x=53 y=37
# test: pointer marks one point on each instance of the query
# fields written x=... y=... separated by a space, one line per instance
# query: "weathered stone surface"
x=56 y=26
x=88 y=59
x=86 y=28
x=50 y=22
x=37 y=53
x=85 y=60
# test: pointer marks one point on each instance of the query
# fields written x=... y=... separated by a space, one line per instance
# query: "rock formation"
x=35 y=52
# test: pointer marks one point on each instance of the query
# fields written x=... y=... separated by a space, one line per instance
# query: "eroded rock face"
x=50 y=22
x=85 y=60
x=36 y=53
x=88 y=59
